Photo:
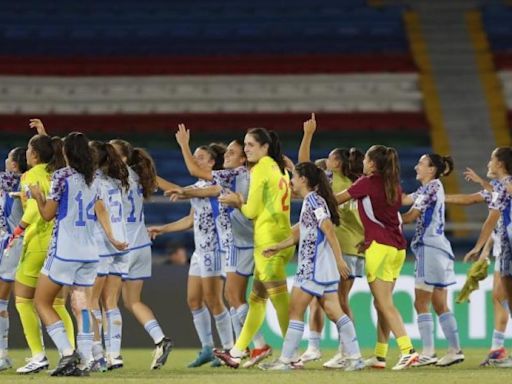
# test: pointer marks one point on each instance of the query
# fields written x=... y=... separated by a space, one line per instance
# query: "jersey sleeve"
x=499 y=198
x=224 y=177
x=31 y=211
x=424 y=197
x=57 y=186
x=255 y=204
x=8 y=181
x=360 y=188
x=320 y=211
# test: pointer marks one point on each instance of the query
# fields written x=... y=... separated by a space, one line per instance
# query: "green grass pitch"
x=137 y=371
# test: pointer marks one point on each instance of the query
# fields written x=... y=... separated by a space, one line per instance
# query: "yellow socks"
x=31 y=325
x=253 y=321
x=280 y=300
x=405 y=344
x=381 y=350
x=60 y=307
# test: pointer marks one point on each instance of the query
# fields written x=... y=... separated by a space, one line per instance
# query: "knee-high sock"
x=292 y=340
x=348 y=337
x=31 y=325
x=4 y=328
x=59 y=337
x=280 y=300
x=253 y=322
x=224 y=329
x=115 y=331
x=59 y=305
x=426 y=328
x=203 y=325
x=450 y=330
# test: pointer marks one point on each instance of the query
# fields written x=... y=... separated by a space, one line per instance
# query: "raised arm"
x=307 y=138
x=183 y=139
x=37 y=124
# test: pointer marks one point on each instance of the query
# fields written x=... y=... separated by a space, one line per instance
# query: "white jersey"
x=11 y=210
x=110 y=192
x=316 y=261
x=133 y=206
x=241 y=228
x=429 y=200
x=206 y=236
x=73 y=234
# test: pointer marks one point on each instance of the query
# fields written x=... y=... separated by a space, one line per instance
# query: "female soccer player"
x=44 y=156
x=112 y=180
x=205 y=282
x=239 y=232
x=434 y=259
x=344 y=167
x=10 y=215
x=498 y=200
x=378 y=194
x=268 y=205
x=320 y=264
x=142 y=180
x=73 y=255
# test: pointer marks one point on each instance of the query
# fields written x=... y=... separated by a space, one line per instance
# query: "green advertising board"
x=475 y=319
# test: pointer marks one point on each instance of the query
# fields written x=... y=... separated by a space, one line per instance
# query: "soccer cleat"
x=494 y=356
x=336 y=362
x=406 y=361
x=311 y=354
x=425 y=360
x=67 y=365
x=79 y=372
x=114 y=362
x=5 y=363
x=503 y=363
x=279 y=365
x=33 y=366
x=99 y=365
x=375 y=362
x=450 y=358
x=257 y=355
x=354 y=365
x=161 y=352
x=204 y=356
x=216 y=363
x=225 y=356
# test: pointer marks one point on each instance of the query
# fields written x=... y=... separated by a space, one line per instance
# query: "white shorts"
x=240 y=261
x=119 y=265
x=313 y=288
x=207 y=264
x=433 y=268
x=139 y=264
x=9 y=260
x=73 y=273
x=355 y=264
x=104 y=265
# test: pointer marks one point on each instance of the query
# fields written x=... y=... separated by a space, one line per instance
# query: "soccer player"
x=378 y=194
x=73 y=256
x=343 y=166
x=10 y=215
x=112 y=180
x=320 y=264
x=44 y=156
x=142 y=181
x=498 y=200
x=238 y=232
x=205 y=284
x=268 y=205
x=434 y=259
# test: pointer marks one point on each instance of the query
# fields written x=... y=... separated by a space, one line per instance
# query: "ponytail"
x=271 y=138
x=216 y=152
x=143 y=165
x=444 y=164
x=79 y=155
x=351 y=162
x=110 y=163
x=19 y=156
x=57 y=161
x=388 y=166
x=317 y=180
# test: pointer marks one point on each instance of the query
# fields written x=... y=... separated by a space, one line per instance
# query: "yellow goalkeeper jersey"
x=268 y=203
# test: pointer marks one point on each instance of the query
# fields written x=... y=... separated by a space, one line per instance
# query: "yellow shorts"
x=267 y=269
x=30 y=266
x=383 y=262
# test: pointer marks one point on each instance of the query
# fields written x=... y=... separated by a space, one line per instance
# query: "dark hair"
x=504 y=155
x=271 y=138
x=79 y=155
x=108 y=160
x=42 y=146
x=58 y=161
x=443 y=164
x=351 y=162
x=216 y=152
x=19 y=156
x=142 y=164
x=388 y=166
x=318 y=181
